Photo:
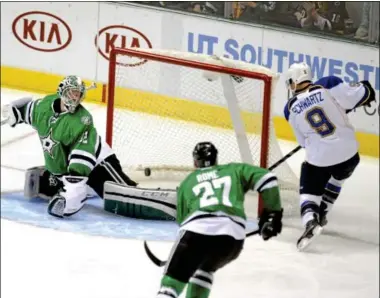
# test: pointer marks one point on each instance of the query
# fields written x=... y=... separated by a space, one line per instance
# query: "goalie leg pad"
x=146 y=203
x=40 y=183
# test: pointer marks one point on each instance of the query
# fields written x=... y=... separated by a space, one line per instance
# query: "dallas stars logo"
x=48 y=144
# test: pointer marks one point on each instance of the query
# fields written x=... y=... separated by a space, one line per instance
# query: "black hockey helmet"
x=205 y=154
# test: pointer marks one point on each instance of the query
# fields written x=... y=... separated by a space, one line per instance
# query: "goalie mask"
x=72 y=91
x=205 y=155
x=297 y=73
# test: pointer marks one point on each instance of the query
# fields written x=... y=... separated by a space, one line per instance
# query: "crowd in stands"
x=353 y=20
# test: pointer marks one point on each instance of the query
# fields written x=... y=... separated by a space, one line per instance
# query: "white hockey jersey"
x=318 y=118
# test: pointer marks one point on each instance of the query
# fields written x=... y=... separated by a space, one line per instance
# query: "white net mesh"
x=162 y=110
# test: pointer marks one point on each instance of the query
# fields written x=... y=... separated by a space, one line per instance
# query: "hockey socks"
x=332 y=191
x=170 y=288
x=199 y=286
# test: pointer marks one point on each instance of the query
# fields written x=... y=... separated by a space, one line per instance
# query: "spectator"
x=253 y=11
x=336 y=13
x=325 y=16
x=206 y=7
x=362 y=32
x=310 y=19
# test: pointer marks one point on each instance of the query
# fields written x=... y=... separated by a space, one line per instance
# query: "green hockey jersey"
x=211 y=200
x=69 y=141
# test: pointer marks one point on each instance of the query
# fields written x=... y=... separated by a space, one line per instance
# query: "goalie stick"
x=160 y=263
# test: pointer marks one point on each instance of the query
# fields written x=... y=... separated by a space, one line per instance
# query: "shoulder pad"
x=329 y=82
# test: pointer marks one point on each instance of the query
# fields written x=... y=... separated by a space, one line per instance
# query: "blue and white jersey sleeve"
x=348 y=95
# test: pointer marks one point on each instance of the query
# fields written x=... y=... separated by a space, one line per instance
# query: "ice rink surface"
x=46 y=262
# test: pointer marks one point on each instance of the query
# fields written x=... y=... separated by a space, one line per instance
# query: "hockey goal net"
x=162 y=102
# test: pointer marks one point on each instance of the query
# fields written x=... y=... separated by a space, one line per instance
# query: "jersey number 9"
x=319 y=122
x=208 y=197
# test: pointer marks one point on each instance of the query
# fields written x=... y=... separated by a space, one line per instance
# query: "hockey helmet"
x=205 y=154
x=72 y=91
x=297 y=73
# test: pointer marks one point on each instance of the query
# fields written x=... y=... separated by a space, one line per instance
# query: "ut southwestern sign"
x=279 y=59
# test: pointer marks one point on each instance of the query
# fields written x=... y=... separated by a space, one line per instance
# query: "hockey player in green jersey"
x=212 y=219
x=75 y=155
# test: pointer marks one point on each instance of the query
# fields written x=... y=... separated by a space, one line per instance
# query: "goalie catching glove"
x=13 y=112
x=270 y=224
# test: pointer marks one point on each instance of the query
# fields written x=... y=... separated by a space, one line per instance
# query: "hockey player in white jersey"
x=317 y=114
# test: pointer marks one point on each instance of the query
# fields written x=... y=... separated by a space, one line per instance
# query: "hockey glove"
x=270 y=224
x=11 y=114
x=372 y=95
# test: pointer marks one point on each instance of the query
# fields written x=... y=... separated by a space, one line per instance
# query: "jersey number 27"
x=207 y=188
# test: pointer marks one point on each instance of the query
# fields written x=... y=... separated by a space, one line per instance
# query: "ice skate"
x=323 y=219
x=313 y=230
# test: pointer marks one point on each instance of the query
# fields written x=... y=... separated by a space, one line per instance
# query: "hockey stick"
x=160 y=263
x=276 y=164
x=92 y=86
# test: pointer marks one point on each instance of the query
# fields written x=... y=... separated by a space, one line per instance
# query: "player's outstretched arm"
x=349 y=95
x=18 y=111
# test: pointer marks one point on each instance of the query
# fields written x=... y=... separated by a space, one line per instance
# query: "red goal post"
x=204 y=63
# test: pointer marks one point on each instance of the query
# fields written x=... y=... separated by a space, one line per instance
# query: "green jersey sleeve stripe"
x=98 y=147
x=18 y=115
x=86 y=155
x=272 y=182
x=29 y=113
x=82 y=162
x=263 y=180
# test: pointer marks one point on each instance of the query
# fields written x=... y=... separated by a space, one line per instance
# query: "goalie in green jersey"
x=75 y=155
x=210 y=212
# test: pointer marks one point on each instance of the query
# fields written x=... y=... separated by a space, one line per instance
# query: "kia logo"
x=42 y=31
x=119 y=36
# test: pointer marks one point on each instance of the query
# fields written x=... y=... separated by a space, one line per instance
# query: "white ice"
x=37 y=262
